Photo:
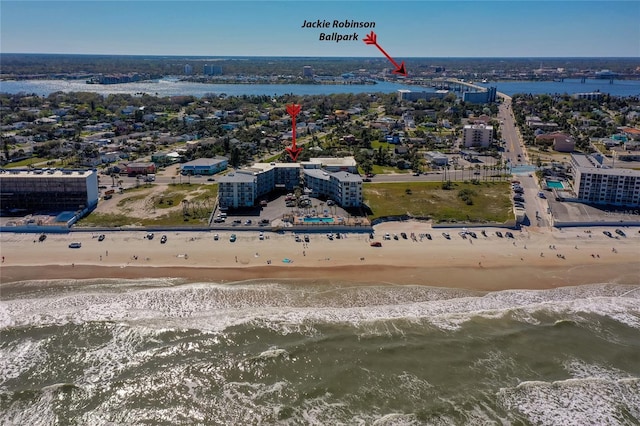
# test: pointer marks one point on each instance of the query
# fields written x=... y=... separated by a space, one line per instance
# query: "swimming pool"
x=555 y=184
x=318 y=219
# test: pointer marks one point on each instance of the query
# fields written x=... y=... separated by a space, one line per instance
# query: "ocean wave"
x=296 y=308
x=594 y=401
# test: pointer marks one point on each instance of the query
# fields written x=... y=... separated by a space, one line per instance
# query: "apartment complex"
x=596 y=184
x=343 y=187
x=244 y=187
x=477 y=135
x=48 y=190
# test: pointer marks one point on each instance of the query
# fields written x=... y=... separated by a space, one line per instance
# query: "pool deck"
x=337 y=221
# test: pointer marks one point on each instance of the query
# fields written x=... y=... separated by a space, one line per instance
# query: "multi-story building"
x=212 y=69
x=346 y=189
x=48 y=190
x=477 y=135
x=591 y=96
x=480 y=97
x=409 y=95
x=307 y=71
x=237 y=190
x=243 y=187
x=594 y=183
x=188 y=69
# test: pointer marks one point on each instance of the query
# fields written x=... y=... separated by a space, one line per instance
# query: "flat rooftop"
x=54 y=173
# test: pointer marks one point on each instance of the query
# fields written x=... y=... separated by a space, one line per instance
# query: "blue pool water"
x=318 y=219
x=556 y=184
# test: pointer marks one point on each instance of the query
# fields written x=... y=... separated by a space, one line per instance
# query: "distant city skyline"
x=274 y=28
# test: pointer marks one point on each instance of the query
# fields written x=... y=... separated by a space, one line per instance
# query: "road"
x=516 y=154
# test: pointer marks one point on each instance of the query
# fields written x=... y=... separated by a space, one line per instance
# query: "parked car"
x=608 y=234
x=620 y=232
x=508 y=234
x=446 y=235
x=216 y=237
x=306 y=238
x=261 y=236
x=163 y=239
x=150 y=236
x=75 y=245
x=499 y=234
x=376 y=244
x=387 y=236
x=404 y=235
x=428 y=236
x=42 y=237
x=101 y=237
x=232 y=238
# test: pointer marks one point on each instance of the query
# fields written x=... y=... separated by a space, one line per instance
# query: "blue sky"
x=273 y=28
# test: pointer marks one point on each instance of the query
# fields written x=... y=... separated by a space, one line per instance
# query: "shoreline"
x=534 y=259
x=479 y=278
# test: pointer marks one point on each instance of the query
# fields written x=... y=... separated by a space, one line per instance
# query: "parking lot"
x=273 y=213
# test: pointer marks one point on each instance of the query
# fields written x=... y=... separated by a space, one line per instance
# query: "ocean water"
x=165 y=352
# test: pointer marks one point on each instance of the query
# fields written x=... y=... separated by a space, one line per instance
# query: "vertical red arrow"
x=372 y=38
x=293 y=110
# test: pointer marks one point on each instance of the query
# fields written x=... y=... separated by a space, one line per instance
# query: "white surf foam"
x=576 y=402
x=217 y=307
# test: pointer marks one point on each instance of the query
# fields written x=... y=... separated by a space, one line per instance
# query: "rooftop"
x=57 y=173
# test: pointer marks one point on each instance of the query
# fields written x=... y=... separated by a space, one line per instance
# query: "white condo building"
x=243 y=187
x=596 y=184
x=477 y=135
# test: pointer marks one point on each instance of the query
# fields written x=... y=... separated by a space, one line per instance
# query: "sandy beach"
x=534 y=258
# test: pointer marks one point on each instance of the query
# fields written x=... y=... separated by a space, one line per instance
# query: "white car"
x=261 y=235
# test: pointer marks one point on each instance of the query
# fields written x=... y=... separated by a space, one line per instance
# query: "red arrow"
x=294 y=151
x=373 y=39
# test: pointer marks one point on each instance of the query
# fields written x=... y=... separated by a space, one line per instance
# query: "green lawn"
x=26 y=162
x=489 y=201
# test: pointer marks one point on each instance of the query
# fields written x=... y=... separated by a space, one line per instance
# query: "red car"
x=376 y=244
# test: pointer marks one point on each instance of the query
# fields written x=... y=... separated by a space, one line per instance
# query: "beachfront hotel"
x=594 y=183
x=48 y=190
x=333 y=178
